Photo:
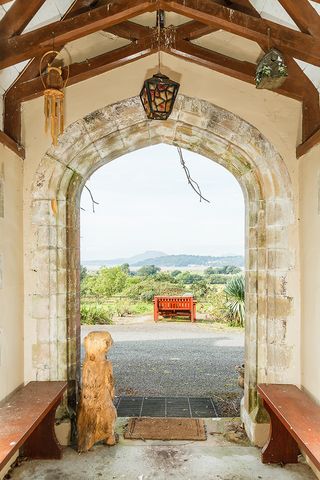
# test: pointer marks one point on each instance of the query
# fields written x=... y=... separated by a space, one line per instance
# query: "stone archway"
x=210 y=131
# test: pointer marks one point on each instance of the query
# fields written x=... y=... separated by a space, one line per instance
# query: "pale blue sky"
x=145 y=203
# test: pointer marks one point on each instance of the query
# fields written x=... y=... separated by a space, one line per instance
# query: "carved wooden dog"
x=96 y=414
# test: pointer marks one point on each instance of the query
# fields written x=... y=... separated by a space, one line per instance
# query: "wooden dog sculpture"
x=96 y=414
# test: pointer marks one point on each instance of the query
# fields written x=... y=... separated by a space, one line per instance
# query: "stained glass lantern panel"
x=158 y=95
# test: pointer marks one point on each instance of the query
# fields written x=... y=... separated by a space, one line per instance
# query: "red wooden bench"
x=27 y=421
x=295 y=424
x=171 y=306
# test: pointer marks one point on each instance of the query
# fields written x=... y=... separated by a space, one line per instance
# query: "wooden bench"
x=172 y=306
x=295 y=424
x=27 y=420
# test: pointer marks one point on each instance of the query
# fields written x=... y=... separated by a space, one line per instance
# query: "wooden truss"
x=83 y=18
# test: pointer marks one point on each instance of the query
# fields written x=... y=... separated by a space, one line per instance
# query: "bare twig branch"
x=194 y=185
x=92 y=199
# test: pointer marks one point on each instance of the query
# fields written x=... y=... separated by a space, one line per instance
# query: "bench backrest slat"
x=174 y=303
x=299 y=413
x=22 y=412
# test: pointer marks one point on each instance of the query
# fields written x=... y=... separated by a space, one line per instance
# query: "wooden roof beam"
x=232 y=67
x=193 y=30
x=18 y=17
x=37 y=42
x=297 y=44
x=14 y=146
x=89 y=68
x=307 y=145
x=130 y=31
x=310 y=102
x=304 y=15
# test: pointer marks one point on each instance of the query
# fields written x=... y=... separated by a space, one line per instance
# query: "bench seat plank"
x=22 y=413
x=298 y=413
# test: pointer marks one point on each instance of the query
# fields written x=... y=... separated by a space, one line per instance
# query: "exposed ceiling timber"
x=242 y=5
x=89 y=68
x=311 y=142
x=193 y=30
x=14 y=146
x=304 y=15
x=241 y=70
x=303 y=84
x=297 y=44
x=18 y=16
x=130 y=30
x=37 y=42
x=32 y=68
x=12 y=110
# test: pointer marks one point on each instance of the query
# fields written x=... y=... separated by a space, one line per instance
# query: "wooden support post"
x=281 y=446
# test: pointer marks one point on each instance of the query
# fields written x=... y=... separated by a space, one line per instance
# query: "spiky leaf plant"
x=235 y=304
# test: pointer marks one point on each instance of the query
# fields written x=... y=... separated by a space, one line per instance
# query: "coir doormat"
x=148 y=428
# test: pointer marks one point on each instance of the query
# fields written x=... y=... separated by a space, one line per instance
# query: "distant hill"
x=120 y=261
x=161 y=259
x=192 y=260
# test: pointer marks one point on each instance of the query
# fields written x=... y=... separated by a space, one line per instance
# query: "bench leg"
x=281 y=446
x=43 y=443
x=155 y=312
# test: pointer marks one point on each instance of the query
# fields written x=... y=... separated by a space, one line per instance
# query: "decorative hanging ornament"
x=54 y=84
x=159 y=93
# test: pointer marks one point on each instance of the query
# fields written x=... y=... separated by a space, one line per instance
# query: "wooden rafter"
x=130 y=31
x=32 y=68
x=294 y=43
x=89 y=68
x=311 y=142
x=193 y=30
x=14 y=146
x=18 y=16
x=37 y=42
x=232 y=67
x=297 y=86
x=304 y=15
x=310 y=101
x=12 y=113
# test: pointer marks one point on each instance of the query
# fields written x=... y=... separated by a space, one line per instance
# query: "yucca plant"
x=235 y=305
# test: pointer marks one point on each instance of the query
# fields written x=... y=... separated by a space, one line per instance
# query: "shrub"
x=95 y=314
x=215 y=306
x=235 y=305
x=122 y=308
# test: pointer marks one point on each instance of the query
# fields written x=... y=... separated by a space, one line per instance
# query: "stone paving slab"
x=214 y=459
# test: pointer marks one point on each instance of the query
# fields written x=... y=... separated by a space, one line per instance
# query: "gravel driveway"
x=175 y=359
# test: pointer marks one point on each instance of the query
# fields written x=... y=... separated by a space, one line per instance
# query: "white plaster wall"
x=277 y=117
x=310 y=273
x=11 y=274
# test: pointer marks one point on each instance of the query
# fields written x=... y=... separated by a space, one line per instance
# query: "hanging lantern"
x=271 y=70
x=54 y=84
x=158 y=95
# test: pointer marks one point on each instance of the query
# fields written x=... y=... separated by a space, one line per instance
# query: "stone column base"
x=258 y=433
